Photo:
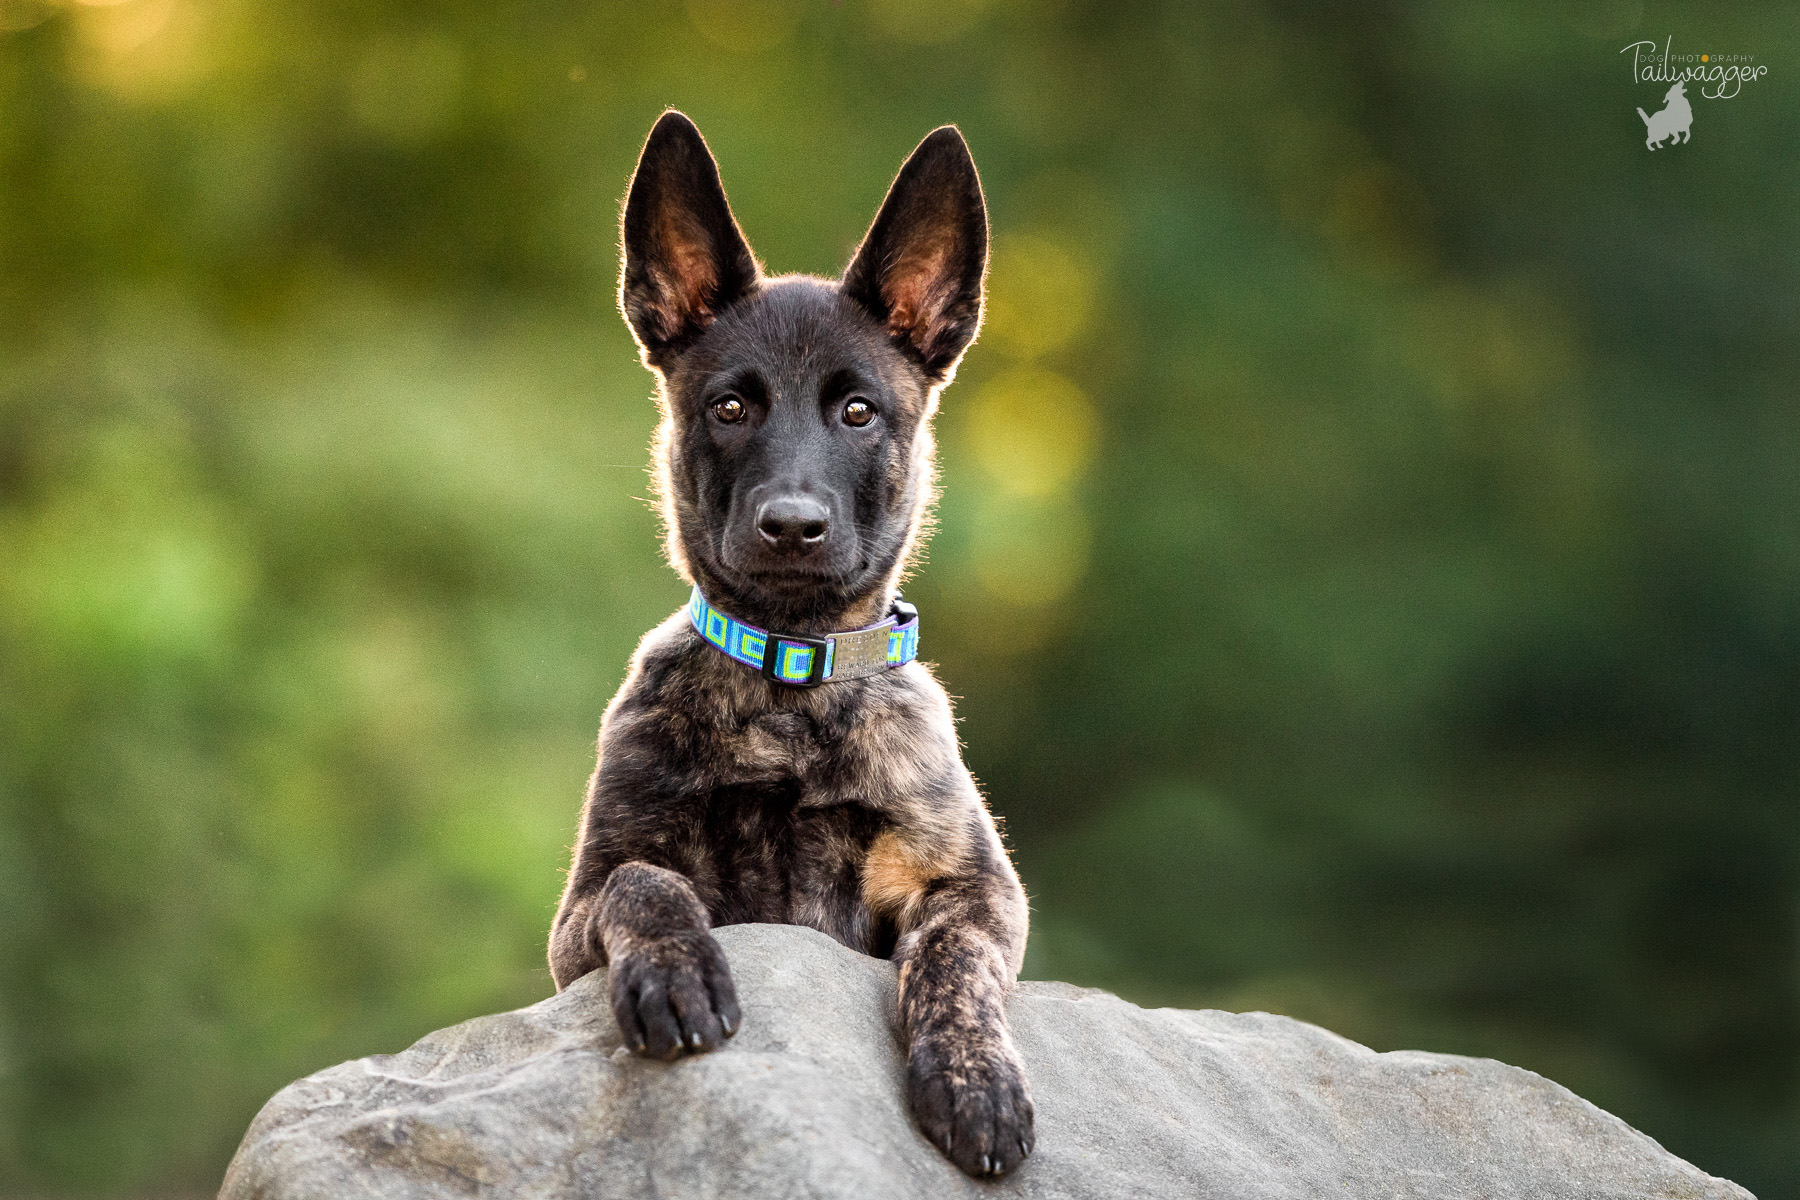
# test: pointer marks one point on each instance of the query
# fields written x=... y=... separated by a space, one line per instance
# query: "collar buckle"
x=778 y=654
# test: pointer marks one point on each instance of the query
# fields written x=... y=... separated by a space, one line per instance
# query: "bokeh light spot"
x=407 y=89
x=1029 y=551
x=744 y=27
x=1040 y=293
x=926 y=21
x=1033 y=431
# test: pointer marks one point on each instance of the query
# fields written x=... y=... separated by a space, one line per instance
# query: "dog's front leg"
x=965 y=1084
x=670 y=988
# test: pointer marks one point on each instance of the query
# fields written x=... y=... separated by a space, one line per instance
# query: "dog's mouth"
x=795 y=580
x=790 y=582
x=804 y=577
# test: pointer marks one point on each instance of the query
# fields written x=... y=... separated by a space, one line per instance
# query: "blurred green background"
x=1396 y=464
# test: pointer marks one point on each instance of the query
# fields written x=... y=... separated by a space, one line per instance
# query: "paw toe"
x=982 y=1120
x=674 y=998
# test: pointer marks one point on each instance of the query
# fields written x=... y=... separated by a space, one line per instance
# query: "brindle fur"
x=721 y=797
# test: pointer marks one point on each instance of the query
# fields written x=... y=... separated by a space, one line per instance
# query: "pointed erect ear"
x=919 y=269
x=685 y=259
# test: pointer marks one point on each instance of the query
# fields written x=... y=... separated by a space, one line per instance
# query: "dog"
x=1673 y=121
x=776 y=753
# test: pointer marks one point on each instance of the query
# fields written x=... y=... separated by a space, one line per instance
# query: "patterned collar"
x=807 y=662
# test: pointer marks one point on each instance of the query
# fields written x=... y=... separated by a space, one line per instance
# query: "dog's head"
x=1675 y=93
x=794 y=459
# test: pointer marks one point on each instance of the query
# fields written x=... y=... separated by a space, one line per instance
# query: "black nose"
x=794 y=523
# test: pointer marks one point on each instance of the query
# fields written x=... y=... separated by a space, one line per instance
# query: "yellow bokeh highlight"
x=1030 y=551
x=1032 y=431
x=1040 y=294
x=140 y=50
x=926 y=21
x=407 y=89
x=743 y=26
x=17 y=15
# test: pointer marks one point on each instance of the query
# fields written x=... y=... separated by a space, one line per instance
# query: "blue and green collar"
x=805 y=661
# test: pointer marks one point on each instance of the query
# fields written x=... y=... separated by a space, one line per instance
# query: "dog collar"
x=805 y=661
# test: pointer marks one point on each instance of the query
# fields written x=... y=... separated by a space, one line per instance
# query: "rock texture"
x=806 y=1102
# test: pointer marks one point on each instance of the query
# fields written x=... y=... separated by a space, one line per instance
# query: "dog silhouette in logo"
x=1673 y=121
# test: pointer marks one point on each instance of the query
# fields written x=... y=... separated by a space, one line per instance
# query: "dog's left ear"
x=685 y=259
x=919 y=269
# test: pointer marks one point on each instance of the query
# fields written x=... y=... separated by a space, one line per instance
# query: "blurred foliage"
x=1393 y=465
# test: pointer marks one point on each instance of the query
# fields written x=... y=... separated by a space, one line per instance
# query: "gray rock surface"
x=806 y=1102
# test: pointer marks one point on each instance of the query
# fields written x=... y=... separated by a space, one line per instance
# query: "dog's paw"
x=674 y=995
x=972 y=1103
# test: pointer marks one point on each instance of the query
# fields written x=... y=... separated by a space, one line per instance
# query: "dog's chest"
x=768 y=857
x=771 y=748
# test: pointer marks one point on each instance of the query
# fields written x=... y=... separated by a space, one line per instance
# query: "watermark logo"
x=1674 y=120
x=1715 y=76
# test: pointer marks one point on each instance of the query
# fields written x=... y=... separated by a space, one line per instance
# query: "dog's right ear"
x=684 y=258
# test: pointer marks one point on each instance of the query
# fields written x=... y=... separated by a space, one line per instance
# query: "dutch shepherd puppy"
x=775 y=753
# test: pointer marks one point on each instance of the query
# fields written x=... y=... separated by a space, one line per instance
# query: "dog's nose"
x=796 y=522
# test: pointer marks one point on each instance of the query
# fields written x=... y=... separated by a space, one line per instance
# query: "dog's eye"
x=728 y=409
x=858 y=412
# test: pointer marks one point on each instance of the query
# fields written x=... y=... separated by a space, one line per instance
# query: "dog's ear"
x=684 y=258
x=919 y=269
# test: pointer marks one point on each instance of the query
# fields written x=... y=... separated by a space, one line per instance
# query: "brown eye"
x=858 y=412
x=728 y=409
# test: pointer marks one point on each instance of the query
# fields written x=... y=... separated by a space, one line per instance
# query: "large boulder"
x=806 y=1102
